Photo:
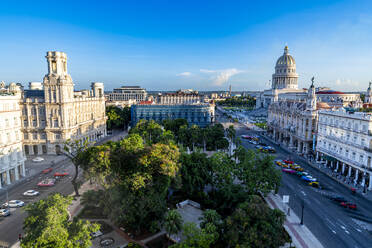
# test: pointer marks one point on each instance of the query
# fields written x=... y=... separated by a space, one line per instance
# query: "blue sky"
x=205 y=45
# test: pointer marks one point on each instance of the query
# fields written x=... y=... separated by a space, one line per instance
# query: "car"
x=96 y=234
x=46 y=171
x=59 y=174
x=4 y=212
x=308 y=178
x=338 y=199
x=46 y=182
x=14 y=204
x=314 y=184
x=246 y=136
x=348 y=205
x=278 y=162
x=38 y=159
x=289 y=171
x=262 y=144
x=288 y=161
x=31 y=192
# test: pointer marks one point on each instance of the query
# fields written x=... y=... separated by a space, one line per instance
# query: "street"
x=11 y=226
x=332 y=224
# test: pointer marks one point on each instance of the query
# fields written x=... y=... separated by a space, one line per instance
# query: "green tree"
x=117 y=117
x=195 y=237
x=77 y=151
x=254 y=224
x=210 y=216
x=48 y=225
x=173 y=222
x=152 y=132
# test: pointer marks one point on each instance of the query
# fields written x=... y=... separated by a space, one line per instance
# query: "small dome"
x=285 y=59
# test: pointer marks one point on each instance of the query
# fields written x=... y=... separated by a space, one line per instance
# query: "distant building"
x=126 y=96
x=179 y=97
x=198 y=114
x=11 y=150
x=344 y=142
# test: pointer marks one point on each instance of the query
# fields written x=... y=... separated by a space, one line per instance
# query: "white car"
x=4 y=212
x=96 y=234
x=31 y=192
x=14 y=204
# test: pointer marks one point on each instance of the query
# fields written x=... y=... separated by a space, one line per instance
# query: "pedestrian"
x=20 y=237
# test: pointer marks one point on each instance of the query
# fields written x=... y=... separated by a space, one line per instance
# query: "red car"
x=47 y=182
x=349 y=205
x=58 y=174
x=289 y=171
x=47 y=170
x=288 y=161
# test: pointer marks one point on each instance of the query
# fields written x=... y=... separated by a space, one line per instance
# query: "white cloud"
x=221 y=77
x=184 y=74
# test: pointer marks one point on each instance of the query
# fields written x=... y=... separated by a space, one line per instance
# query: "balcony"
x=367 y=149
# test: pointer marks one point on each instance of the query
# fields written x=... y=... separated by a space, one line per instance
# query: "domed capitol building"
x=284 y=86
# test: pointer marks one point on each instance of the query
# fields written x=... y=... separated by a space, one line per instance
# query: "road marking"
x=347 y=231
x=359 y=230
x=343 y=227
x=303 y=193
x=334 y=231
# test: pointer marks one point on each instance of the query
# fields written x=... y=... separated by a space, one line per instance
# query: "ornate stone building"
x=53 y=112
x=294 y=123
x=11 y=149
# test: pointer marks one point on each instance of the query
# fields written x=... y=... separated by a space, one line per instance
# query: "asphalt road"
x=332 y=224
x=12 y=225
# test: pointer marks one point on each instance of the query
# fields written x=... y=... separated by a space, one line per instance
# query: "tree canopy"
x=117 y=118
x=48 y=225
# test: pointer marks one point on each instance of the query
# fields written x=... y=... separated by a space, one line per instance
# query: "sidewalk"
x=301 y=236
x=325 y=170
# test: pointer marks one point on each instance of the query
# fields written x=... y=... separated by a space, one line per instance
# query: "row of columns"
x=19 y=171
x=301 y=147
x=349 y=171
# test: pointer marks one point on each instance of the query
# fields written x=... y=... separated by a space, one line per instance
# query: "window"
x=43 y=136
x=34 y=124
x=8 y=139
x=25 y=123
x=15 y=121
x=7 y=122
x=363 y=142
x=34 y=136
x=25 y=136
x=361 y=158
x=58 y=136
x=347 y=153
x=55 y=123
x=353 y=155
x=364 y=128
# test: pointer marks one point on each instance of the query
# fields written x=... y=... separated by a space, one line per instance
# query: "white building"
x=126 y=96
x=179 y=97
x=11 y=149
x=344 y=140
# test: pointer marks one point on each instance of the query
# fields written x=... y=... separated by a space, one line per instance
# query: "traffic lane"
x=327 y=182
x=12 y=225
x=327 y=212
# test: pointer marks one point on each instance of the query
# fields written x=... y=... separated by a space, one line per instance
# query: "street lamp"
x=302 y=212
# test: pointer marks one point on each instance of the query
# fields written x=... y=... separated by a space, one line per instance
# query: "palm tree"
x=173 y=222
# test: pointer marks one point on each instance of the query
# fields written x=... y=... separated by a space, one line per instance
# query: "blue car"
x=308 y=179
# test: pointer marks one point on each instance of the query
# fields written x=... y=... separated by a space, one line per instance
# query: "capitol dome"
x=285 y=76
x=285 y=59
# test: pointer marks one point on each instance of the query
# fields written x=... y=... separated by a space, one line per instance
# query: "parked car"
x=288 y=161
x=4 y=212
x=46 y=182
x=59 y=174
x=278 y=162
x=14 y=204
x=46 y=171
x=96 y=234
x=308 y=178
x=31 y=192
x=246 y=136
x=338 y=199
x=348 y=205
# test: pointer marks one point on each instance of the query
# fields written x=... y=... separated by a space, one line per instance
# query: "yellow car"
x=314 y=184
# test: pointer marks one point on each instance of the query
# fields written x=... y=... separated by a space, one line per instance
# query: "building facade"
x=179 y=97
x=344 y=142
x=293 y=123
x=11 y=149
x=198 y=114
x=126 y=96
x=53 y=112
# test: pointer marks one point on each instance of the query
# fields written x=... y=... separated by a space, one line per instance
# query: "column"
x=337 y=165
x=7 y=177
x=274 y=135
x=370 y=182
x=317 y=156
x=299 y=146
x=356 y=175
x=363 y=179
x=16 y=173
x=1 y=185
x=343 y=168
x=331 y=164
x=23 y=169
x=349 y=173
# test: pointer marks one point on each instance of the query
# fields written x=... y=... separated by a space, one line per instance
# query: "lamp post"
x=302 y=212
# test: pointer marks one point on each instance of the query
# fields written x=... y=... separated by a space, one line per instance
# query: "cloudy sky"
x=205 y=45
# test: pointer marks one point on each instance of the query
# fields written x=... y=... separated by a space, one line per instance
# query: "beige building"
x=11 y=150
x=180 y=97
x=53 y=112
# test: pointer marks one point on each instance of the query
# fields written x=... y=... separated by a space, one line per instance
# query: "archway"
x=58 y=150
